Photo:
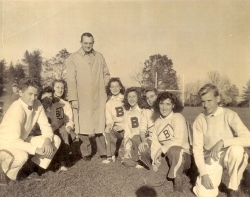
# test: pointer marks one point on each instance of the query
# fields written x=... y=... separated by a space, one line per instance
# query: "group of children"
x=155 y=134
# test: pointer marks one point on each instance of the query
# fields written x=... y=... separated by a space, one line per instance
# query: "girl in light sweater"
x=133 y=104
x=114 y=131
x=170 y=150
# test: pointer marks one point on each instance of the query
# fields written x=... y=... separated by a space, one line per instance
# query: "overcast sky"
x=199 y=36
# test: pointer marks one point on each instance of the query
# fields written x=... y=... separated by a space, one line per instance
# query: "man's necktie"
x=29 y=107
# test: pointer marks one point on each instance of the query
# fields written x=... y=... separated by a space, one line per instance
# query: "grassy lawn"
x=94 y=179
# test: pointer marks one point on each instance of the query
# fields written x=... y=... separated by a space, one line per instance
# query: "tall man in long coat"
x=87 y=75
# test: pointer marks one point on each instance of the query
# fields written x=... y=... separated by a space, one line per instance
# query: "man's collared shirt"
x=218 y=111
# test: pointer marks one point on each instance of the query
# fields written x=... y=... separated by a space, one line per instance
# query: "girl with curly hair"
x=114 y=132
x=170 y=150
x=64 y=118
x=133 y=104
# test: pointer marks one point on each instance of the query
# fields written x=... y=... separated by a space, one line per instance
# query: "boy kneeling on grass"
x=170 y=150
x=15 y=142
x=219 y=138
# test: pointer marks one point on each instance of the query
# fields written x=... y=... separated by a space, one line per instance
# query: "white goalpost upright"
x=168 y=90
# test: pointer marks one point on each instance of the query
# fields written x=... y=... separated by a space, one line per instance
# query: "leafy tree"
x=19 y=72
x=11 y=73
x=191 y=93
x=232 y=92
x=2 y=75
x=34 y=62
x=137 y=75
x=228 y=92
x=55 y=68
x=166 y=75
x=246 y=94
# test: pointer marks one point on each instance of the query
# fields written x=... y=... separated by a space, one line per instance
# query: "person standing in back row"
x=87 y=75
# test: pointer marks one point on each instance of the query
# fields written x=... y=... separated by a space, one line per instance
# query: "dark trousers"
x=64 y=149
x=131 y=162
x=91 y=145
x=172 y=166
x=146 y=155
x=114 y=141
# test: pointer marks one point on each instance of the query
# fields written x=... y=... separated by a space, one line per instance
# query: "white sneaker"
x=139 y=166
x=108 y=160
x=63 y=168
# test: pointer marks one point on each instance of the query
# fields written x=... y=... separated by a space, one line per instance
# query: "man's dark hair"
x=88 y=35
x=115 y=79
x=207 y=88
x=46 y=89
x=24 y=83
x=168 y=95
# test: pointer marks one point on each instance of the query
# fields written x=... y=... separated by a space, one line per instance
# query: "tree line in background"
x=45 y=71
x=34 y=66
x=229 y=92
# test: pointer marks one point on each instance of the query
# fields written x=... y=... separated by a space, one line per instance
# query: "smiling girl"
x=114 y=118
x=133 y=104
x=170 y=150
x=64 y=117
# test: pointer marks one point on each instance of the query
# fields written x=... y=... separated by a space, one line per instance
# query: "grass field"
x=94 y=179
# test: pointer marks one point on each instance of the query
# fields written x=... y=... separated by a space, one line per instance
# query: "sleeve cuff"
x=48 y=136
x=33 y=150
x=227 y=142
x=70 y=100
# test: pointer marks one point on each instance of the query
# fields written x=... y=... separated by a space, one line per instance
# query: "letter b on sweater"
x=119 y=111
x=134 y=122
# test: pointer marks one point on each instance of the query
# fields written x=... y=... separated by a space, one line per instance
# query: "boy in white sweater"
x=15 y=142
x=219 y=138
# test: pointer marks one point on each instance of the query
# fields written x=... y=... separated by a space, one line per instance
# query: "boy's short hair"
x=207 y=88
x=24 y=83
x=14 y=85
x=46 y=89
x=87 y=34
x=149 y=89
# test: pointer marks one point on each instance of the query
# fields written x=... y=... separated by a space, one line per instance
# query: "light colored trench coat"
x=87 y=76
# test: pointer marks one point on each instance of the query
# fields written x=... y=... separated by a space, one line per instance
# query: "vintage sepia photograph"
x=124 y=98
